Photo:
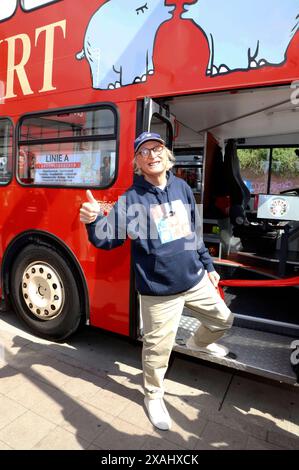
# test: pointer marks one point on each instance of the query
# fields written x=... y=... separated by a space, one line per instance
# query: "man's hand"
x=214 y=278
x=89 y=210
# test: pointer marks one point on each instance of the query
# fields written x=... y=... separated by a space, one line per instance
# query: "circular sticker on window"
x=278 y=207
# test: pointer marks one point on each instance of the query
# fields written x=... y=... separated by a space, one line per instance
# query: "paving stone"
x=87 y=422
x=121 y=435
x=25 y=431
x=10 y=379
x=61 y=439
x=9 y=410
x=267 y=404
x=218 y=437
x=4 y=446
x=257 y=444
x=284 y=440
x=45 y=400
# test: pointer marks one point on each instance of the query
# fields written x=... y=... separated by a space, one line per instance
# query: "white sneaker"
x=212 y=348
x=158 y=413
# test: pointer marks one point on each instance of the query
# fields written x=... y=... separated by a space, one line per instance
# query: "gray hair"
x=170 y=163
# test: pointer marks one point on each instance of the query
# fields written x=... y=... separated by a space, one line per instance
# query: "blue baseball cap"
x=145 y=137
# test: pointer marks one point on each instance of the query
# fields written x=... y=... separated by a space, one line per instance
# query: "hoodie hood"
x=162 y=196
x=141 y=182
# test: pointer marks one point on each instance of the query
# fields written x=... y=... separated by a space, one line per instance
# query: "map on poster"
x=80 y=168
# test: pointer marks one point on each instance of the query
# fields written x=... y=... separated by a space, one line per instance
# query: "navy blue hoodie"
x=168 y=252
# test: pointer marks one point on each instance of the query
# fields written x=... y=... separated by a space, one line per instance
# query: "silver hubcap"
x=43 y=290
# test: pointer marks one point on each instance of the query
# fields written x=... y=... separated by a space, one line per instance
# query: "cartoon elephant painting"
x=247 y=34
x=119 y=41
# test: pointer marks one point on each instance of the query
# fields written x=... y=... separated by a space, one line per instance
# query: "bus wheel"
x=44 y=292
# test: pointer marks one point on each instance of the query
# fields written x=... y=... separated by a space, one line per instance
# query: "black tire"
x=44 y=293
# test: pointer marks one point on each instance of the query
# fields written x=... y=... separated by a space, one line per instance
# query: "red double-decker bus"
x=220 y=82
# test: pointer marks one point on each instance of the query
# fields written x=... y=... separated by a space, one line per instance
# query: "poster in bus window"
x=80 y=168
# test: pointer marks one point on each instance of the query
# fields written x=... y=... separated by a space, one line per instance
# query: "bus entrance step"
x=257 y=352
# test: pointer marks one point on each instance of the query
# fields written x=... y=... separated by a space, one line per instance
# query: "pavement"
x=86 y=393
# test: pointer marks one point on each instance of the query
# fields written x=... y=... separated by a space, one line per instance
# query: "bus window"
x=284 y=169
x=254 y=167
x=74 y=149
x=8 y=7
x=28 y=5
x=269 y=170
x=98 y=122
x=5 y=151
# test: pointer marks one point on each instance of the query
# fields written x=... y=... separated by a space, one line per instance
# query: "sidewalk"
x=87 y=394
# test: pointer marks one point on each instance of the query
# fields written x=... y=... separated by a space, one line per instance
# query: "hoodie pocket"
x=178 y=268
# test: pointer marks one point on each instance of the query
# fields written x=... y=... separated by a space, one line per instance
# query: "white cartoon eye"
x=142 y=9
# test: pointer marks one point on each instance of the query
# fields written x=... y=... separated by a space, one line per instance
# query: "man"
x=105 y=177
x=172 y=266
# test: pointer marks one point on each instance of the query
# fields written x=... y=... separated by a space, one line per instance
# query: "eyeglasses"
x=145 y=152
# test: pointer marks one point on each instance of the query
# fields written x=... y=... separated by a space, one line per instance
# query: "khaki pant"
x=161 y=317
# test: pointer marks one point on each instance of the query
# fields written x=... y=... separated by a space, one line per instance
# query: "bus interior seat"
x=219 y=201
x=238 y=191
x=290 y=192
x=255 y=235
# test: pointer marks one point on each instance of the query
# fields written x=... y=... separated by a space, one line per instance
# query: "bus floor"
x=265 y=263
x=272 y=304
x=258 y=352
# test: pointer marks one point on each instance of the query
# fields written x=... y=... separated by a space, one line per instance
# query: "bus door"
x=257 y=345
x=261 y=351
x=151 y=117
x=157 y=118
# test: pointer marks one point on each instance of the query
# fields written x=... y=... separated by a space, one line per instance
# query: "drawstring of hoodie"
x=171 y=210
x=163 y=205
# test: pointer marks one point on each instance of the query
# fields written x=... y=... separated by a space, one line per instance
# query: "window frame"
x=12 y=161
x=75 y=139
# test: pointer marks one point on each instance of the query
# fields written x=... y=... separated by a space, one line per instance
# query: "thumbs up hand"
x=89 y=210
